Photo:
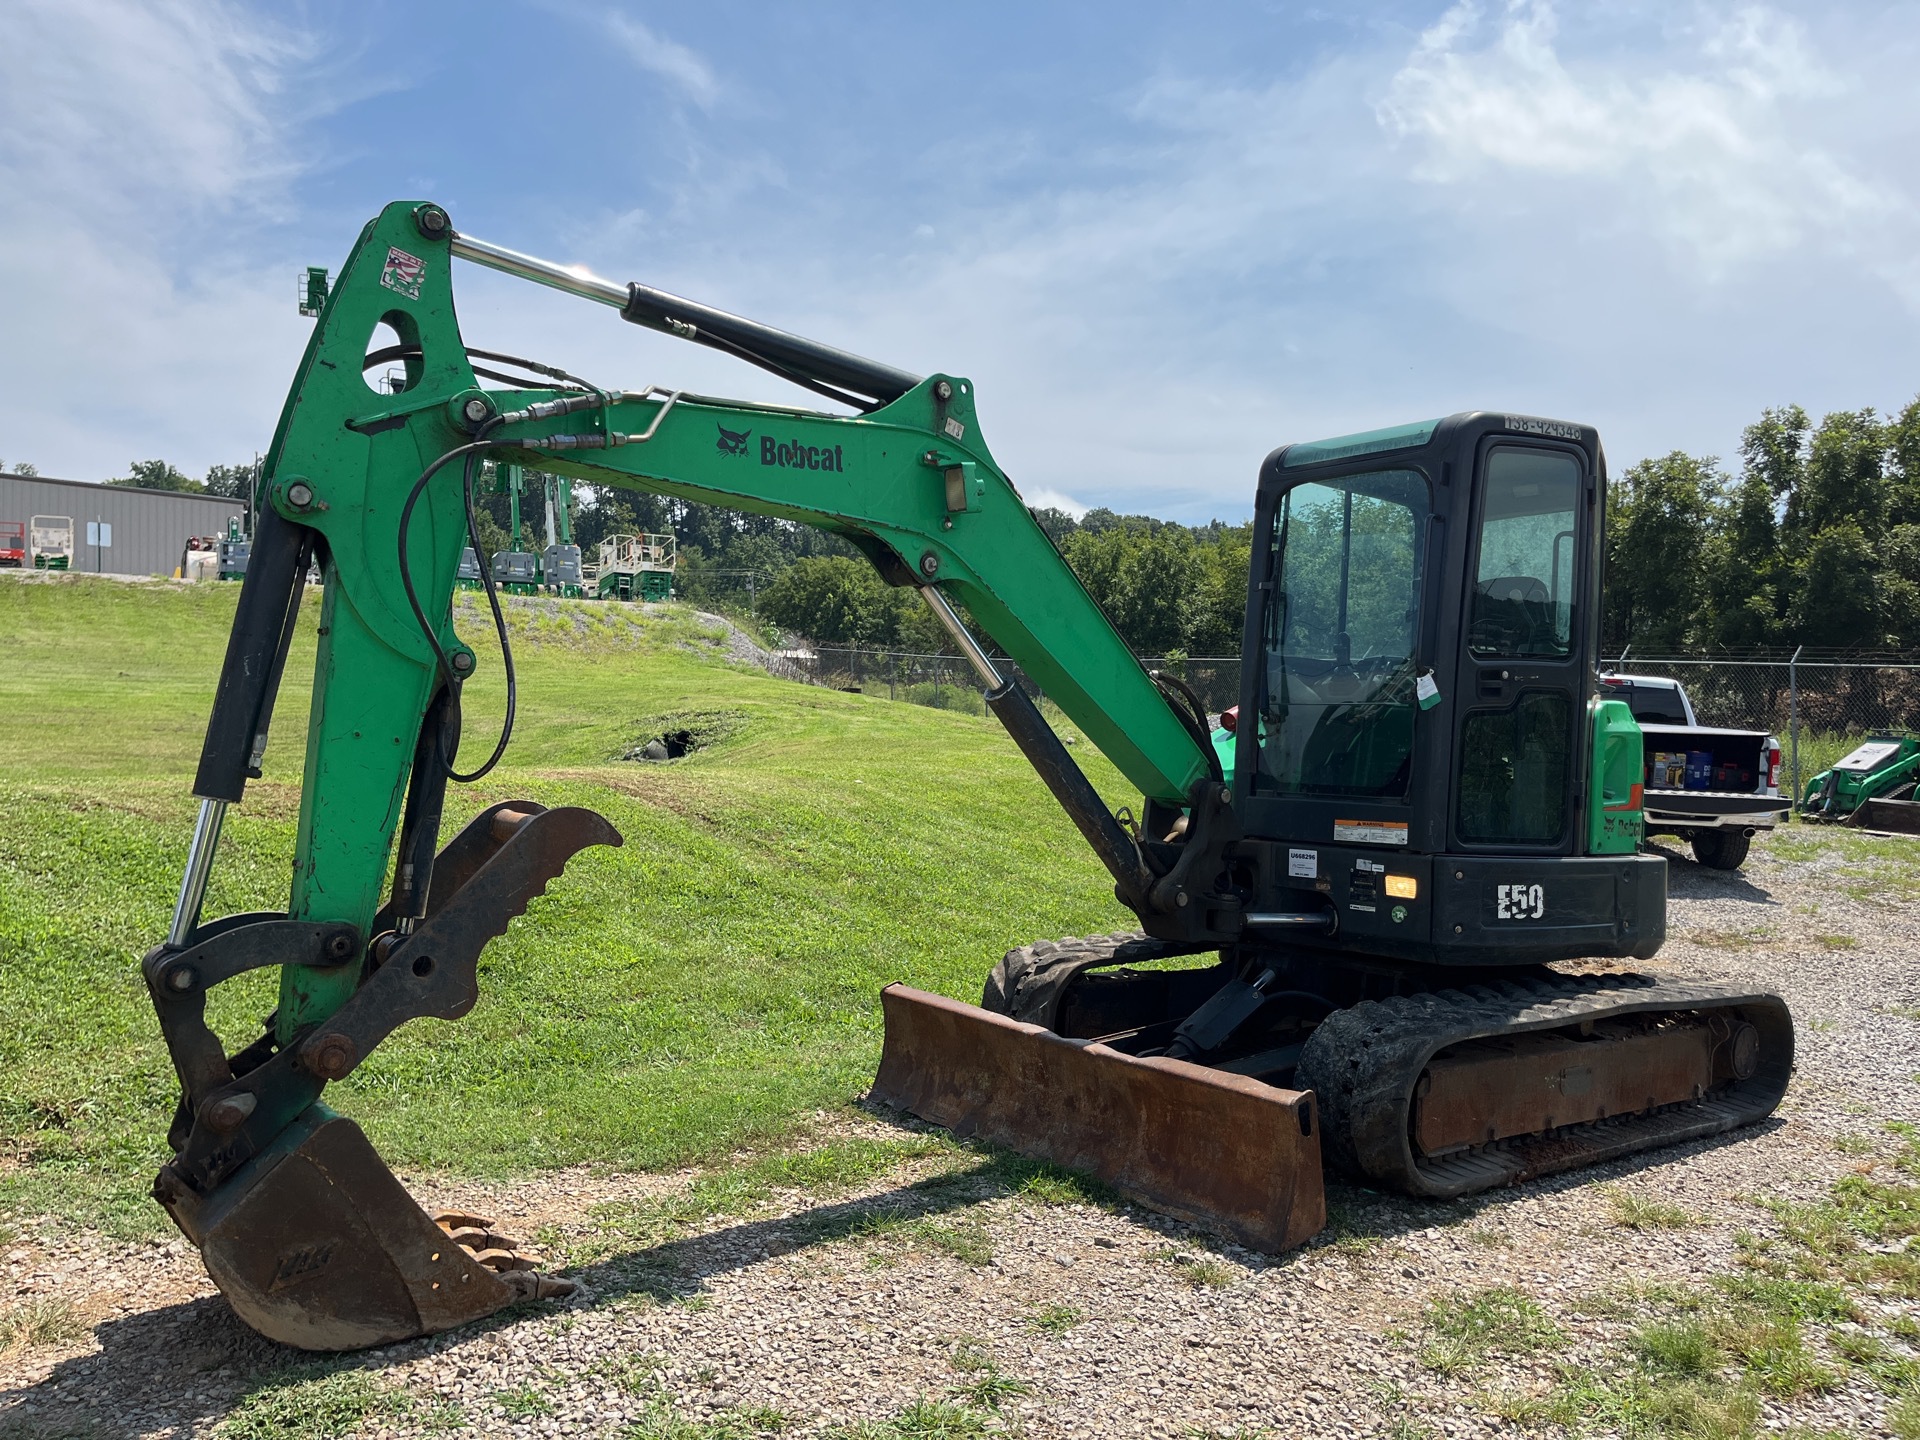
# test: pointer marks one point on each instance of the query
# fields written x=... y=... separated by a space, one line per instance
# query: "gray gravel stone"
x=745 y=1317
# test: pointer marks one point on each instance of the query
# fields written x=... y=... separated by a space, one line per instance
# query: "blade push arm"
x=912 y=483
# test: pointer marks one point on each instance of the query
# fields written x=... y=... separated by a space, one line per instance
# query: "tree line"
x=1812 y=539
x=233 y=482
x=1169 y=588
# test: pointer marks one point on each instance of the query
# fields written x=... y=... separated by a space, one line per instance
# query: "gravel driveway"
x=939 y=1299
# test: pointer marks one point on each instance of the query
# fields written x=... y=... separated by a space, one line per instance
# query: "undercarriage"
x=1434 y=1082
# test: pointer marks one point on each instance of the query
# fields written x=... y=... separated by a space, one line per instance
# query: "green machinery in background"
x=636 y=567
x=50 y=542
x=1873 y=787
x=516 y=569
x=234 y=547
x=556 y=568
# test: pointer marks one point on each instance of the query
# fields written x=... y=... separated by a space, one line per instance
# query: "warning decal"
x=1370 y=832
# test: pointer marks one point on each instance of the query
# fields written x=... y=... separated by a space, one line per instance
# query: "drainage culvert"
x=668 y=737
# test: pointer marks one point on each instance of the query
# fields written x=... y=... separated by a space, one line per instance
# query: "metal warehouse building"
x=148 y=528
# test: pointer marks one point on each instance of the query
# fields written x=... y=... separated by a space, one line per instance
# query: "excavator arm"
x=911 y=482
x=298 y=1219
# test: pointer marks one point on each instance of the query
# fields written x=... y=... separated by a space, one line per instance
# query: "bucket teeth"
x=476 y=1238
x=500 y=1259
x=452 y=1220
x=518 y=1269
x=532 y=1285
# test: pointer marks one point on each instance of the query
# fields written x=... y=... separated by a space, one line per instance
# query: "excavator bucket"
x=316 y=1244
x=303 y=1227
x=1220 y=1150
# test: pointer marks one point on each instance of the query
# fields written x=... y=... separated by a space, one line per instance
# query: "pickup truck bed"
x=1720 y=806
x=1718 y=821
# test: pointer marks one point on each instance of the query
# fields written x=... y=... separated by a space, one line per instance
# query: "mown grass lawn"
x=711 y=984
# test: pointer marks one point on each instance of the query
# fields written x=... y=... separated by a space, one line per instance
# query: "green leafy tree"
x=1903 y=466
x=158 y=475
x=1897 y=586
x=1844 y=482
x=235 y=482
x=1774 y=449
x=1657 y=522
x=1217 y=604
x=833 y=601
x=1835 y=602
x=1057 y=523
x=1742 y=570
x=1145 y=581
x=20 y=468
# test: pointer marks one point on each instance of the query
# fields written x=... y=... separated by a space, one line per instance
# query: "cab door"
x=1525 y=662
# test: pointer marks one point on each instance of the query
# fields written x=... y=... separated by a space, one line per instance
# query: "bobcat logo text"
x=795 y=456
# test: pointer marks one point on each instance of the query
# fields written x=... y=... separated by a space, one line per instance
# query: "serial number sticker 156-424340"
x=1520 y=902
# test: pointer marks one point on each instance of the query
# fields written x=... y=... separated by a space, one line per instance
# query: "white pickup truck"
x=1711 y=787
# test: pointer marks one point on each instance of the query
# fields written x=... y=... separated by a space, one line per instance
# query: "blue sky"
x=1161 y=238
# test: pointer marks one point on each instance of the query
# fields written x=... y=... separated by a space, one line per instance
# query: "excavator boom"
x=294 y=1213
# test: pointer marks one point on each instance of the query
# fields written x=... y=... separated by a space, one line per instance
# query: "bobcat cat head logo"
x=732 y=442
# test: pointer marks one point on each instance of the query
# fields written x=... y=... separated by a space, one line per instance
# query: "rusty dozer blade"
x=1222 y=1151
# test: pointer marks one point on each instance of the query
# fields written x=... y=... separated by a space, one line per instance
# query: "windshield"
x=1341 y=630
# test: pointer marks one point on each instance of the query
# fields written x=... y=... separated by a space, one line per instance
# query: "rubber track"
x=1029 y=983
x=1364 y=1062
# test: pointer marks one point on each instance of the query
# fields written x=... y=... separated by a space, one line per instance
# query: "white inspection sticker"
x=1370 y=832
x=1427 y=690
x=1304 y=864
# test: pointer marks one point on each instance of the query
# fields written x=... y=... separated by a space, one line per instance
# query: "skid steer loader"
x=1349 y=898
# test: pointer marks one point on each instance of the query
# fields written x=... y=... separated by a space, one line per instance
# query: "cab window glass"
x=1342 y=626
x=1523 y=585
x=1514 y=768
x=1655 y=706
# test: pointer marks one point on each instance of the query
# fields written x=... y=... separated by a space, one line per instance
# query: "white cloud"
x=111 y=107
x=1045 y=499
x=1654 y=226
x=1704 y=145
x=1657 y=218
x=667 y=58
x=140 y=145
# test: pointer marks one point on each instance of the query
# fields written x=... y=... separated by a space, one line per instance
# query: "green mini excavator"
x=1352 y=889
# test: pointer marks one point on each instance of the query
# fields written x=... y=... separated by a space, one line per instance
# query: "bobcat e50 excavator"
x=1361 y=887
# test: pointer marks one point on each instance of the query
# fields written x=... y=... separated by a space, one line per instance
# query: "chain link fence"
x=947 y=682
x=1820 y=709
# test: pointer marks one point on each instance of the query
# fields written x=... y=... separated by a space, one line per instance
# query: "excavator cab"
x=1423 y=622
